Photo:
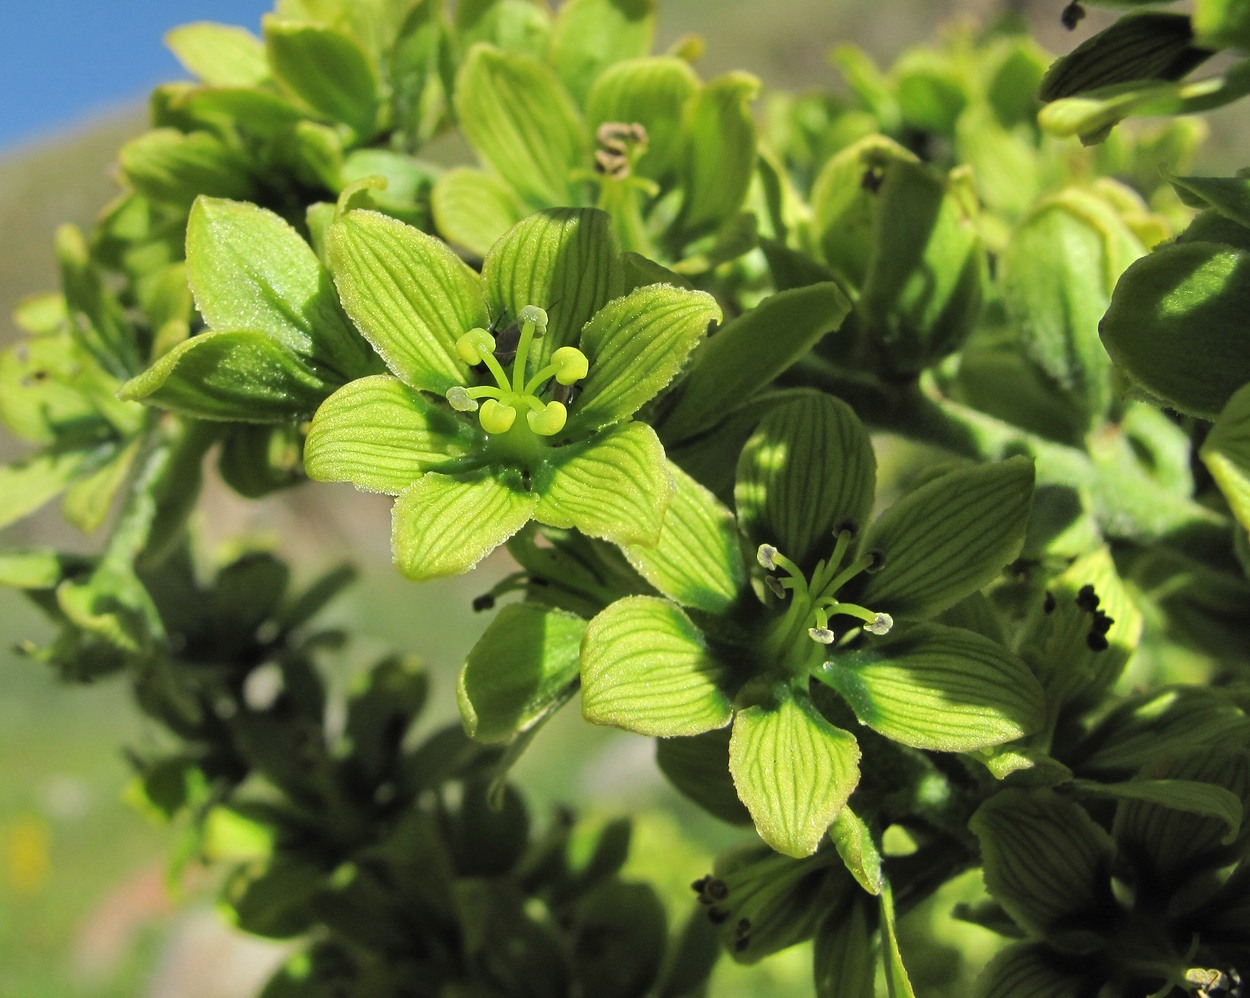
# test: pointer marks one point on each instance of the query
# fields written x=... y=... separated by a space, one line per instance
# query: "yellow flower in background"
x=26 y=854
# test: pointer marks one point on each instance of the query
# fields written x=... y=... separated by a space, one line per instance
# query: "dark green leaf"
x=698 y=766
x=1175 y=325
x=749 y=352
x=807 y=471
x=949 y=538
x=1046 y=861
x=523 y=668
x=1152 y=46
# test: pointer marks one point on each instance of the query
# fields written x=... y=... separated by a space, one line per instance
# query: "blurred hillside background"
x=84 y=910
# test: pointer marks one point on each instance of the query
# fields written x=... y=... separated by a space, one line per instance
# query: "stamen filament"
x=845 y=576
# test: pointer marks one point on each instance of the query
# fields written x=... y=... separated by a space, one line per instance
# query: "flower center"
x=510 y=396
x=814 y=600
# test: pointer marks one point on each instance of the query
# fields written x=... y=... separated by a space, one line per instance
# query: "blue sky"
x=64 y=61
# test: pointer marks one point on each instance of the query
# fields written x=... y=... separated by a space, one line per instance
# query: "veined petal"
x=409 y=294
x=444 y=526
x=473 y=209
x=806 y=469
x=636 y=346
x=647 y=668
x=564 y=260
x=949 y=538
x=939 y=688
x=380 y=435
x=793 y=770
x=697 y=560
x=615 y=486
x=515 y=112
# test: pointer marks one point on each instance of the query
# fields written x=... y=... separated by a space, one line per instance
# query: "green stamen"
x=510 y=395
x=815 y=598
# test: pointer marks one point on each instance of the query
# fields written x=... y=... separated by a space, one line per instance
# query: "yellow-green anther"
x=766 y=555
x=821 y=635
x=775 y=585
x=475 y=346
x=496 y=417
x=570 y=365
x=549 y=421
x=461 y=400
x=536 y=315
x=510 y=395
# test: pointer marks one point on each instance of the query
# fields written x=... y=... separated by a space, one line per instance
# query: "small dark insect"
x=1072 y=15
x=505 y=341
x=565 y=394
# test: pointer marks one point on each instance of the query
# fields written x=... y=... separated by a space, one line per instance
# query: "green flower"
x=668 y=157
x=510 y=394
x=844 y=606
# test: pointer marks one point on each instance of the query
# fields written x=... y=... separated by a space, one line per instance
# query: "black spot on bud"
x=484 y=602
x=1072 y=15
x=876 y=561
x=1048 y=604
x=741 y=945
x=717 y=916
x=1096 y=642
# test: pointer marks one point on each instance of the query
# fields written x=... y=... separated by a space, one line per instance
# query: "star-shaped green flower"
x=510 y=394
x=840 y=605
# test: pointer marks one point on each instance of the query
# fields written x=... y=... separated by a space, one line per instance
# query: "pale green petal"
x=409 y=294
x=380 y=435
x=793 y=770
x=615 y=486
x=444 y=526
x=698 y=559
x=647 y=668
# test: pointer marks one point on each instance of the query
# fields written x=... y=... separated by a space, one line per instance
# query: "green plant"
x=884 y=458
